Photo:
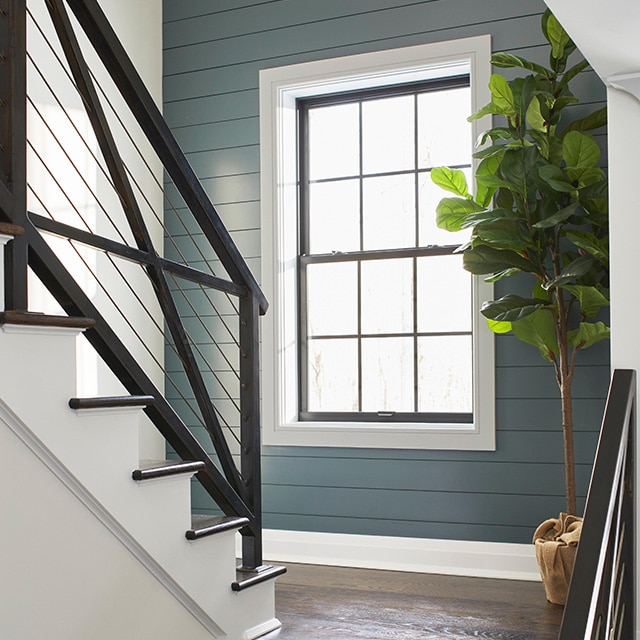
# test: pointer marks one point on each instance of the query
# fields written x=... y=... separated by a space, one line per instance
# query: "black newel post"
x=13 y=145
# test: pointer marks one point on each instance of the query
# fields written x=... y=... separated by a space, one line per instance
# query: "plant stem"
x=566 y=366
x=567 y=431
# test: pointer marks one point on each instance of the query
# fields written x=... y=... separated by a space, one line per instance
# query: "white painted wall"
x=607 y=35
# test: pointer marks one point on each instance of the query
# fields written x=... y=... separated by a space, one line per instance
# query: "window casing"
x=295 y=260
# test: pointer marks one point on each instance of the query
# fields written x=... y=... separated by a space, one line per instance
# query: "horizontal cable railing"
x=601 y=599
x=183 y=326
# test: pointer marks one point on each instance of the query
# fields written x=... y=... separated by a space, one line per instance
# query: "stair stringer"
x=99 y=450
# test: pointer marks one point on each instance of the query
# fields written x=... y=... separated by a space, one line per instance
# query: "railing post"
x=13 y=145
x=250 y=468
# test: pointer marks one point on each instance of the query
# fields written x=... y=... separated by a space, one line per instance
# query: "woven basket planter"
x=556 y=541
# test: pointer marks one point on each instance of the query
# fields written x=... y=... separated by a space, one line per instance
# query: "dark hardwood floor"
x=335 y=603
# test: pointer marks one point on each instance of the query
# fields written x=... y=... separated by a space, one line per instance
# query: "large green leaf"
x=508 y=60
x=519 y=169
x=574 y=270
x=585 y=177
x=580 y=150
x=594 y=120
x=488 y=109
x=597 y=247
x=523 y=92
x=498 y=327
x=513 y=170
x=488 y=215
x=538 y=329
x=483 y=260
x=556 y=35
x=587 y=334
x=494 y=182
x=452 y=212
x=591 y=299
x=502 y=94
x=542 y=142
x=492 y=150
x=510 y=308
x=487 y=167
x=595 y=191
x=505 y=233
x=558 y=218
x=452 y=180
x=560 y=103
x=535 y=119
x=555 y=177
x=502 y=274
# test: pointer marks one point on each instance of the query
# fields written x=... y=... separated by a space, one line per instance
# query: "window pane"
x=444 y=295
x=334 y=141
x=333 y=375
x=332 y=297
x=387 y=296
x=334 y=216
x=388 y=134
x=444 y=135
x=387 y=374
x=444 y=374
x=430 y=196
x=389 y=212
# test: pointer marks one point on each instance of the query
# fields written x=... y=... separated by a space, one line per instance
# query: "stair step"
x=8 y=229
x=202 y=525
x=149 y=469
x=109 y=402
x=248 y=578
x=30 y=318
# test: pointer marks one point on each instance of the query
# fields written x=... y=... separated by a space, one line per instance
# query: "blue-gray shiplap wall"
x=213 y=50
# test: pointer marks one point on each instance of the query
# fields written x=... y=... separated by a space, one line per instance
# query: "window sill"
x=402 y=435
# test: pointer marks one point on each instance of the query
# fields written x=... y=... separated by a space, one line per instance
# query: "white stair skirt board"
x=24 y=434
x=449 y=557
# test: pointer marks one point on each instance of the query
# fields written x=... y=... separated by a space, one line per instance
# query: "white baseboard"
x=262 y=629
x=449 y=557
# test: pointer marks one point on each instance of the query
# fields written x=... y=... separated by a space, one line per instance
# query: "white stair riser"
x=100 y=450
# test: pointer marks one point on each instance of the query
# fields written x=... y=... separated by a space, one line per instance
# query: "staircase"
x=96 y=543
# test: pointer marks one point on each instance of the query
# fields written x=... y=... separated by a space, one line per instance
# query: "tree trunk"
x=569 y=455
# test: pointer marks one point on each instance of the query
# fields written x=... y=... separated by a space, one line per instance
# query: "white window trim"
x=279 y=89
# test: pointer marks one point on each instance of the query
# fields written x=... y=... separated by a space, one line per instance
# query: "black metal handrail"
x=601 y=599
x=235 y=487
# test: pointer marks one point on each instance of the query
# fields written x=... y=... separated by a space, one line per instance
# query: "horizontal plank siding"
x=213 y=53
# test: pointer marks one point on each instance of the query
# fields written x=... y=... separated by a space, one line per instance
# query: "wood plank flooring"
x=335 y=603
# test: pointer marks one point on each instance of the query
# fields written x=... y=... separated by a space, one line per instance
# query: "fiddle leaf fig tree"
x=539 y=209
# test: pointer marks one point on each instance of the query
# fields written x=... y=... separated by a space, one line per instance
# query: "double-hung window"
x=373 y=339
x=384 y=306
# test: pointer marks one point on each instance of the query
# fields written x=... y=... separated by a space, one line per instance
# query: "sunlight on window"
x=334 y=142
x=444 y=378
x=388 y=134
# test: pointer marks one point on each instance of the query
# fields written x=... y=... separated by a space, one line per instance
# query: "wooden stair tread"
x=107 y=402
x=8 y=229
x=29 y=318
x=149 y=469
x=203 y=525
x=246 y=578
